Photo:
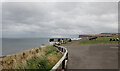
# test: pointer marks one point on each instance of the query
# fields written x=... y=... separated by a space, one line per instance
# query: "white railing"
x=63 y=60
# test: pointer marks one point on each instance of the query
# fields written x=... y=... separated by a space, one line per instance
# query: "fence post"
x=67 y=56
x=62 y=49
x=63 y=64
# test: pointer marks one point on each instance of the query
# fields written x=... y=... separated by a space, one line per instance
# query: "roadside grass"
x=38 y=58
x=102 y=40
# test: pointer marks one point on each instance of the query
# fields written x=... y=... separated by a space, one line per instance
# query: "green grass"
x=41 y=58
x=49 y=50
x=36 y=63
x=103 y=40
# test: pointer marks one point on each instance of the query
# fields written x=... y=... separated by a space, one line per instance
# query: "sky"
x=60 y=0
x=58 y=19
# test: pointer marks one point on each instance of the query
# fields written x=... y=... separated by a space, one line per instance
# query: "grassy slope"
x=37 y=58
x=103 y=40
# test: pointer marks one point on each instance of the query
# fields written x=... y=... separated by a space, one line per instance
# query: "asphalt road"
x=97 y=56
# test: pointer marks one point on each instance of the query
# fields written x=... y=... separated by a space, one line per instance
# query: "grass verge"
x=37 y=58
x=102 y=40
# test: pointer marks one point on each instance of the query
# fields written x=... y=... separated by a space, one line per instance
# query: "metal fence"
x=63 y=60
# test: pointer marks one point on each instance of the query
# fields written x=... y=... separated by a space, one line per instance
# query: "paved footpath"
x=97 y=56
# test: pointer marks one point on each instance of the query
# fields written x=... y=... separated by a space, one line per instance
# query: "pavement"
x=92 y=56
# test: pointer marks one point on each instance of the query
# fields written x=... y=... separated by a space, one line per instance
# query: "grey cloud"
x=50 y=19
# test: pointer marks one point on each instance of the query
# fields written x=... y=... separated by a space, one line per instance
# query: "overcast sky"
x=63 y=19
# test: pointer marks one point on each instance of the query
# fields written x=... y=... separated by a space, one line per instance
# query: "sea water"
x=14 y=45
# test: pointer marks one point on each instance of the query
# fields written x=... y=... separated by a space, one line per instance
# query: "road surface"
x=93 y=56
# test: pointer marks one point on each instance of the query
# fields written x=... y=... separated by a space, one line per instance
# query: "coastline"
x=23 y=51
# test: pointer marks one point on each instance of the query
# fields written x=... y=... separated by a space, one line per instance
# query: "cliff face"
x=36 y=58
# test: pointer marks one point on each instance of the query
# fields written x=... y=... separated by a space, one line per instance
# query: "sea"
x=12 y=46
